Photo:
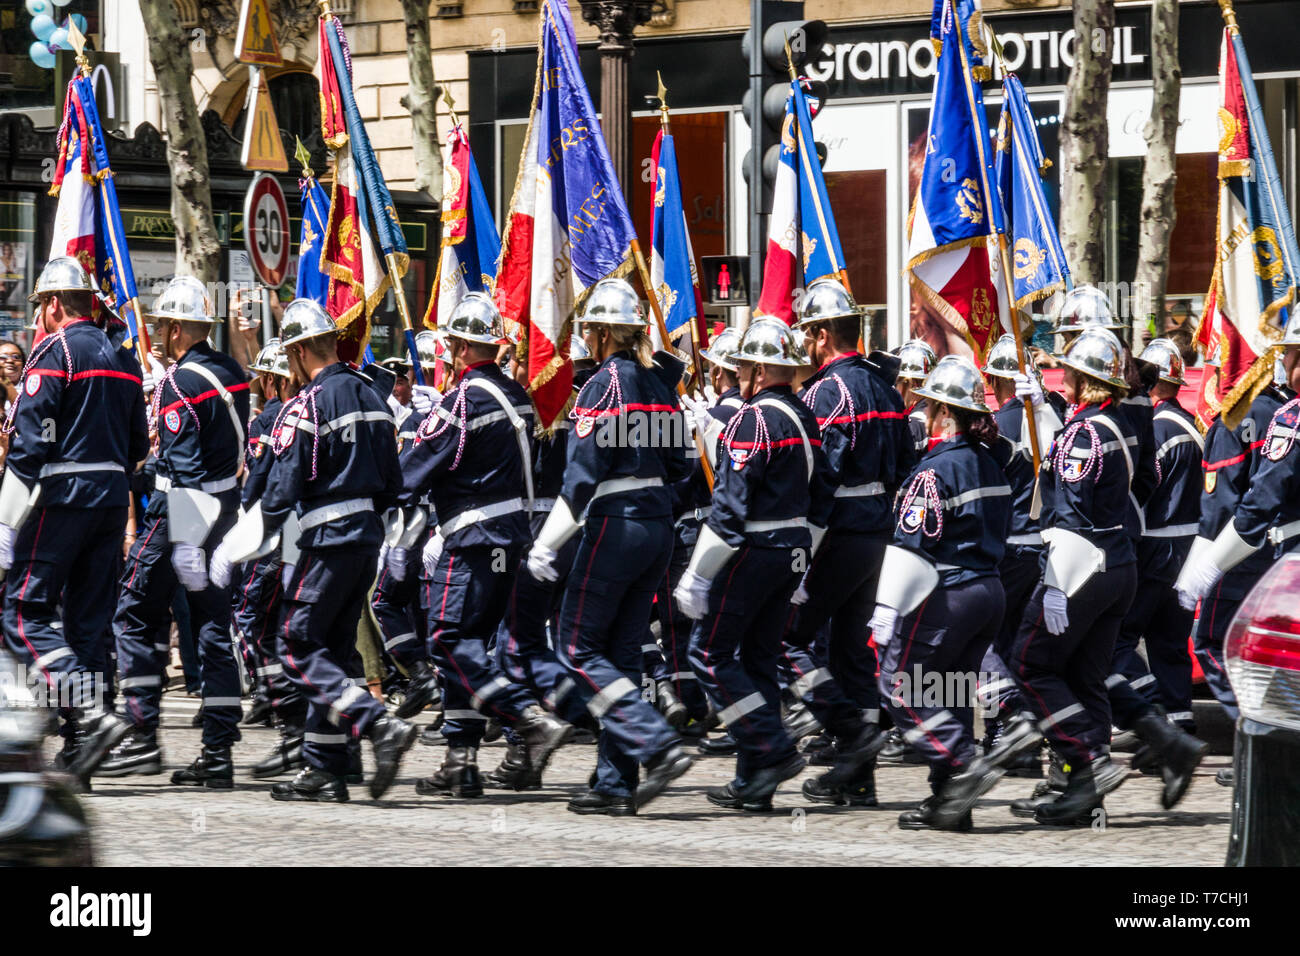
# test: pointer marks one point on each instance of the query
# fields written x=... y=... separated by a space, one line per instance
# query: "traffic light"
x=773 y=25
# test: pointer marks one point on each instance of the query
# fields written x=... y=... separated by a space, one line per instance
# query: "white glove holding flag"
x=152 y=376
x=883 y=625
x=219 y=568
x=692 y=595
x=8 y=536
x=395 y=561
x=191 y=566
x=1055 y=615
x=1195 y=582
x=1028 y=390
x=432 y=552
x=800 y=596
x=698 y=412
x=541 y=563
x=423 y=398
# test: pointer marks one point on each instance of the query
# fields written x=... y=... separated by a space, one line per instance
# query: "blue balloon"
x=42 y=26
x=62 y=3
x=59 y=39
x=41 y=55
x=38 y=7
x=79 y=20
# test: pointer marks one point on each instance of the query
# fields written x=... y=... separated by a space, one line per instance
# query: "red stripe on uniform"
x=865 y=416
x=204 y=396
x=106 y=373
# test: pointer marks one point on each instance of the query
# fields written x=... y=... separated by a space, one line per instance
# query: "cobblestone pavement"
x=144 y=820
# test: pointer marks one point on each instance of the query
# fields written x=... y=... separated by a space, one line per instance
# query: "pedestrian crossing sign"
x=255 y=41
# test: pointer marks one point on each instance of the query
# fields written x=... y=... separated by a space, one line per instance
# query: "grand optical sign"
x=899 y=59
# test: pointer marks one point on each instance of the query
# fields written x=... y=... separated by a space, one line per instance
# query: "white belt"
x=869 y=490
x=474 y=515
x=1032 y=538
x=614 y=486
x=777 y=525
x=1175 y=531
x=77 y=467
x=164 y=484
x=334 y=511
x=543 y=504
x=1283 y=532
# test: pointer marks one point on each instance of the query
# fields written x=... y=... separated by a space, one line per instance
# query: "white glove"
x=432 y=552
x=423 y=398
x=8 y=536
x=191 y=566
x=800 y=596
x=883 y=625
x=153 y=375
x=692 y=594
x=1028 y=390
x=698 y=410
x=396 y=563
x=1196 y=582
x=219 y=568
x=383 y=559
x=1055 y=615
x=541 y=563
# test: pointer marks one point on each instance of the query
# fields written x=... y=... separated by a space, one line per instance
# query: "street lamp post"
x=617 y=19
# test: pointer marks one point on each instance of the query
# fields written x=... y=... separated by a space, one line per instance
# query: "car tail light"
x=1262 y=650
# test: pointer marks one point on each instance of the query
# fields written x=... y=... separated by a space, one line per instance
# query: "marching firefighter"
x=199 y=407
x=335 y=470
x=771 y=498
x=915 y=361
x=869 y=452
x=939 y=602
x=473 y=458
x=76 y=430
x=622 y=456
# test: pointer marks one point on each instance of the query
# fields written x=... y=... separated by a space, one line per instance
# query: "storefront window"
x=17 y=264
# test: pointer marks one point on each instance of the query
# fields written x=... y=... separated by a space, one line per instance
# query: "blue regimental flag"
x=672 y=262
x=312 y=283
x=1038 y=263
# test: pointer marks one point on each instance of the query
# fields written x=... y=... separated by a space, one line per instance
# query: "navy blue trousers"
x=734 y=651
x=675 y=628
x=1217 y=612
x=1165 y=677
x=257 y=618
x=143 y=619
x=618 y=567
x=402 y=623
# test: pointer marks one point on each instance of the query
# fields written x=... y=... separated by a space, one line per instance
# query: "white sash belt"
x=334 y=511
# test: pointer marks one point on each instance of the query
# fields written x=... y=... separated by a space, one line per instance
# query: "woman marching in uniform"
x=616 y=493
x=939 y=602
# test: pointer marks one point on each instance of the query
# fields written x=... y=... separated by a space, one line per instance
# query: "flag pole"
x=1021 y=359
x=78 y=40
x=663 y=334
x=697 y=378
x=1229 y=16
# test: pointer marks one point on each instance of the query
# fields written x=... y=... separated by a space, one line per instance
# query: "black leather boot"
x=261 y=712
x=137 y=754
x=663 y=768
x=212 y=770
x=596 y=803
x=1087 y=787
x=1226 y=777
x=355 y=773
x=853 y=756
x=543 y=733
x=927 y=817
x=514 y=773
x=762 y=784
x=858 y=792
x=1046 y=791
x=312 y=786
x=94 y=735
x=800 y=722
x=391 y=738
x=718 y=746
x=1179 y=754
x=432 y=736
x=733 y=799
x=493 y=731
x=670 y=705
x=457 y=777
x=422 y=690
x=285 y=756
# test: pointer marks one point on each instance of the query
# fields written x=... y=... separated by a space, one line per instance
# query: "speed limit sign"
x=266 y=229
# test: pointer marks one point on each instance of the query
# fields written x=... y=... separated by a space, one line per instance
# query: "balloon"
x=40 y=7
x=79 y=20
x=42 y=26
x=62 y=3
x=41 y=55
x=59 y=39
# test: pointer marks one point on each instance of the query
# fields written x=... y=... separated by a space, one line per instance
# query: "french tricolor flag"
x=74 y=219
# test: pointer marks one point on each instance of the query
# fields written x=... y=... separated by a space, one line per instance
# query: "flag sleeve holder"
x=644 y=272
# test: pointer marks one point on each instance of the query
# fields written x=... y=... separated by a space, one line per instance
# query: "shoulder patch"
x=1211 y=481
x=1278 y=448
x=738 y=457
x=32 y=385
x=172 y=419
x=912 y=516
x=1072 y=469
x=585 y=423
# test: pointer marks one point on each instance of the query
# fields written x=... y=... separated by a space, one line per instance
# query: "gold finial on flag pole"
x=78 y=41
x=451 y=106
x=303 y=155
x=662 y=96
x=1229 y=16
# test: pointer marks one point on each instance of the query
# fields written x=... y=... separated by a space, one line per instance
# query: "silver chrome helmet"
x=770 y=341
x=1085 y=307
x=1164 y=354
x=956 y=382
x=185 y=299
x=271 y=360
x=61 y=274
x=722 y=350
x=613 y=302
x=1003 y=362
x=824 y=300
x=916 y=360
x=429 y=346
x=304 y=319
x=578 y=350
x=1098 y=354
x=476 y=319
x=1291 y=337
